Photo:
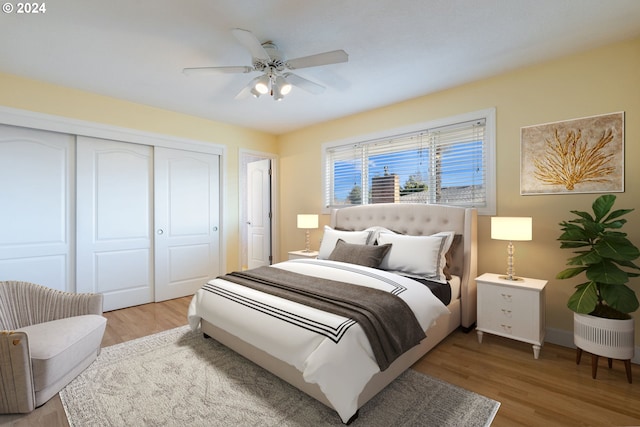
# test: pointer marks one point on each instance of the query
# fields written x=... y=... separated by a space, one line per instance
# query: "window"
x=448 y=161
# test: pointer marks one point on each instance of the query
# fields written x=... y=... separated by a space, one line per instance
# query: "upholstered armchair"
x=47 y=338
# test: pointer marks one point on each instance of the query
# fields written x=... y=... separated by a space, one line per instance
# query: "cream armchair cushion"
x=47 y=338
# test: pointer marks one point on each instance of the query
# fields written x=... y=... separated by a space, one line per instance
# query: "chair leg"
x=578 y=355
x=627 y=367
x=610 y=362
x=594 y=366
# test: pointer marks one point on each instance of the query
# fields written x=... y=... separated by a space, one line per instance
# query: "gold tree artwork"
x=570 y=160
x=584 y=155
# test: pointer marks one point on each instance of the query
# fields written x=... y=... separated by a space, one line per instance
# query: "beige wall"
x=601 y=81
x=25 y=94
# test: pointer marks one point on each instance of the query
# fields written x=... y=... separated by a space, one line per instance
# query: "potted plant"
x=601 y=305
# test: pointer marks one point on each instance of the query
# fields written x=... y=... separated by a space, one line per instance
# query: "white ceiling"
x=398 y=49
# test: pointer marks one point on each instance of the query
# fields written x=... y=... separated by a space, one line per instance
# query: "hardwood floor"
x=550 y=391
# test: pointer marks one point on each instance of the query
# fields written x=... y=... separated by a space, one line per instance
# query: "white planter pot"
x=609 y=338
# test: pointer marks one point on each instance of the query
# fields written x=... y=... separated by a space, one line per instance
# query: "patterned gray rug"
x=178 y=378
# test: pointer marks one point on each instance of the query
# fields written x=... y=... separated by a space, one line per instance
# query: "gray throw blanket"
x=386 y=319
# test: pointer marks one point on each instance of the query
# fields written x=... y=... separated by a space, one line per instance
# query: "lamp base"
x=511 y=278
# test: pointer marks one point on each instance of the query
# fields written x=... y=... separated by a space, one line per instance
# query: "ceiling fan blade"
x=244 y=93
x=333 y=57
x=303 y=83
x=248 y=40
x=217 y=70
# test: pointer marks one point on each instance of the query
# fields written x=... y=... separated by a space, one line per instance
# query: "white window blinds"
x=439 y=165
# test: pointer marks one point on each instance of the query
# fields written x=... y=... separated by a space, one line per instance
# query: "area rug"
x=179 y=378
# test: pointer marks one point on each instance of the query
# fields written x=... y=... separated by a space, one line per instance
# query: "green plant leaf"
x=593 y=229
x=617 y=248
x=620 y=297
x=570 y=272
x=615 y=224
x=617 y=214
x=602 y=205
x=585 y=258
x=606 y=272
x=584 y=299
x=574 y=234
x=585 y=215
x=629 y=264
x=565 y=245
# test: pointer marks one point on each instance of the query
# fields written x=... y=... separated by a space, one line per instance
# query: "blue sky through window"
x=461 y=165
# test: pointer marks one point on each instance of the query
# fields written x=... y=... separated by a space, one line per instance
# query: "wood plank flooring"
x=550 y=391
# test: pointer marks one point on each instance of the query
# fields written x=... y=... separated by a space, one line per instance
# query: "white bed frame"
x=411 y=219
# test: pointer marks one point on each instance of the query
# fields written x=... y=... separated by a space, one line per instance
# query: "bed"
x=345 y=372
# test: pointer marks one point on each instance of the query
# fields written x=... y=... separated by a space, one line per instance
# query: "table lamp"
x=511 y=229
x=307 y=222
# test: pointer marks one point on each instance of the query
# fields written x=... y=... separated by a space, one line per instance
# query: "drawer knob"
x=506 y=312
x=506 y=297
x=506 y=328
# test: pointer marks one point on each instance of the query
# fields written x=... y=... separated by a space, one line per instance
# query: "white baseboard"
x=565 y=339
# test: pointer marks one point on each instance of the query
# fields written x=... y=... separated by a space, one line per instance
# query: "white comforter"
x=328 y=349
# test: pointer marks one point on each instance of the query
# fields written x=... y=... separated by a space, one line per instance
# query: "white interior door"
x=36 y=199
x=259 y=213
x=187 y=215
x=114 y=226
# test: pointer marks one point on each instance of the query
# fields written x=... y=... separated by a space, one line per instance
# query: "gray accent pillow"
x=367 y=255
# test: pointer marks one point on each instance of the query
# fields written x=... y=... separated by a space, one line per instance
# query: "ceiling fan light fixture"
x=255 y=93
x=282 y=86
x=262 y=85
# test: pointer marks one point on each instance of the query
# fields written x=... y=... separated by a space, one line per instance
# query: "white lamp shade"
x=511 y=228
x=307 y=221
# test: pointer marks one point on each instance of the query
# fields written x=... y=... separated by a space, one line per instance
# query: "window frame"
x=488 y=114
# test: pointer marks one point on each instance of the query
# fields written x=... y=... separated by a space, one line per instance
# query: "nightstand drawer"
x=507 y=310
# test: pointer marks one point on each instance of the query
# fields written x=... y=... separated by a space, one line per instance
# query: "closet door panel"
x=36 y=195
x=186 y=221
x=114 y=225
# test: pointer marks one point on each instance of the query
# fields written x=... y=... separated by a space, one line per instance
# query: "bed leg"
x=353 y=418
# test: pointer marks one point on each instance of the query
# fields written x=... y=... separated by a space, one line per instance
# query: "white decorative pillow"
x=419 y=256
x=331 y=236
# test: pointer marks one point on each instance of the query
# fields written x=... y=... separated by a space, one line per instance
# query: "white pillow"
x=331 y=236
x=419 y=256
x=449 y=236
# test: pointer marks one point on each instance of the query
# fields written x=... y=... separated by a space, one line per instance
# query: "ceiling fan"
x=276 y=79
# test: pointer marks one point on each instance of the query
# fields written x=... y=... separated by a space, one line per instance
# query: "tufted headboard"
x=420 y=219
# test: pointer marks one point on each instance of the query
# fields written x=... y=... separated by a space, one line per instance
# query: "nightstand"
x=303 y=254
x=512 y=309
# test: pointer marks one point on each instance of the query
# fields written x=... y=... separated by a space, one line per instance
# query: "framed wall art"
x=583 y=155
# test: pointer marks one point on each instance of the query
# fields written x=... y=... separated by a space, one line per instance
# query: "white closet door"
x=114 y=226
x=187 y=246
x=36 y=205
